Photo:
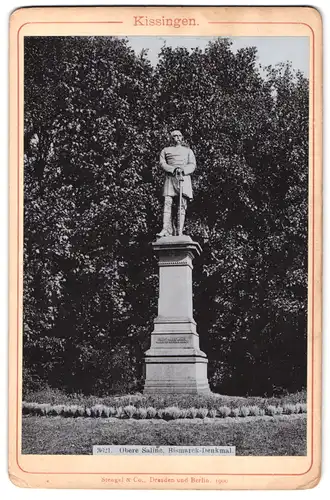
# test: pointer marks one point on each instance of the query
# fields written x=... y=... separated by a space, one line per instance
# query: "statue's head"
x=177 y=137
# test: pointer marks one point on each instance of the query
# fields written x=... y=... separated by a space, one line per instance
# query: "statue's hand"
x=178 y=172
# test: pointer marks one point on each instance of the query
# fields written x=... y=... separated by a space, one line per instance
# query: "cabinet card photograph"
x=165 y=243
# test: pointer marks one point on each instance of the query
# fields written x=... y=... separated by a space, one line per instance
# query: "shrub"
x=28 y=408
x=212 y=413
x=271 y=410
x=56 y=410
x=119 y=412
x=105 y=412
x=289 y=409
x=112 y=411
x=141 y=413
x=234 y=412
x=61 y=413
x=66 y=411
x=262 y=412
x=301 y=408
x=223 y=411
x=129 y=411
x=160 y=413
x=44 y=409
x=75 y=411
x=171 y=413
x=96 y=410
x=244 y=411
x=191 y=413
x=279 y=410
x=35 y=409
x=99 y=410
x=151 y=412
x=80 y=411
x=88 y=412
x=184 y=413
x=254 y=411
x=202 y=412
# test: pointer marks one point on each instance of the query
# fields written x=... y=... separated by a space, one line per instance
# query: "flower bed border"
x=169 y=413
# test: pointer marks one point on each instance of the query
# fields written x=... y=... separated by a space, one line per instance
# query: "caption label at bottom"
x=164 y=450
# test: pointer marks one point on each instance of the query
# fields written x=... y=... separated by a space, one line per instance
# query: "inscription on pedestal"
x=171 y=340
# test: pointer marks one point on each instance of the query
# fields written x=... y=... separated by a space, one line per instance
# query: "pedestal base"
x=176 y=375
x=174 y=364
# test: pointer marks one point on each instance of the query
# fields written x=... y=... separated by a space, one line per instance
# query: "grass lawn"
x=258 y=436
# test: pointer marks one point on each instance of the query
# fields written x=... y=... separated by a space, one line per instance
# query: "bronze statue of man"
x=179 y=162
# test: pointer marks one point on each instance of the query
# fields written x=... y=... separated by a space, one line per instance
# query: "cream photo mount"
x=172 y=472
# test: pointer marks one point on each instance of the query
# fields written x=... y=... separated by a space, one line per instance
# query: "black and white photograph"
x=165 y=273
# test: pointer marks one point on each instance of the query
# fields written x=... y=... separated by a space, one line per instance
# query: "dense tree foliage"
x=96 y=117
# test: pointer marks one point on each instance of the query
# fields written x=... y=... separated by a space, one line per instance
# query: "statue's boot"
x=167 y=225
x=180 y=223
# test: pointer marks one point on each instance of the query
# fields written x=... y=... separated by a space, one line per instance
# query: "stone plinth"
x=174 y=363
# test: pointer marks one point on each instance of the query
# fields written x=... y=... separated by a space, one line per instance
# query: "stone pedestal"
x=174 y=363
